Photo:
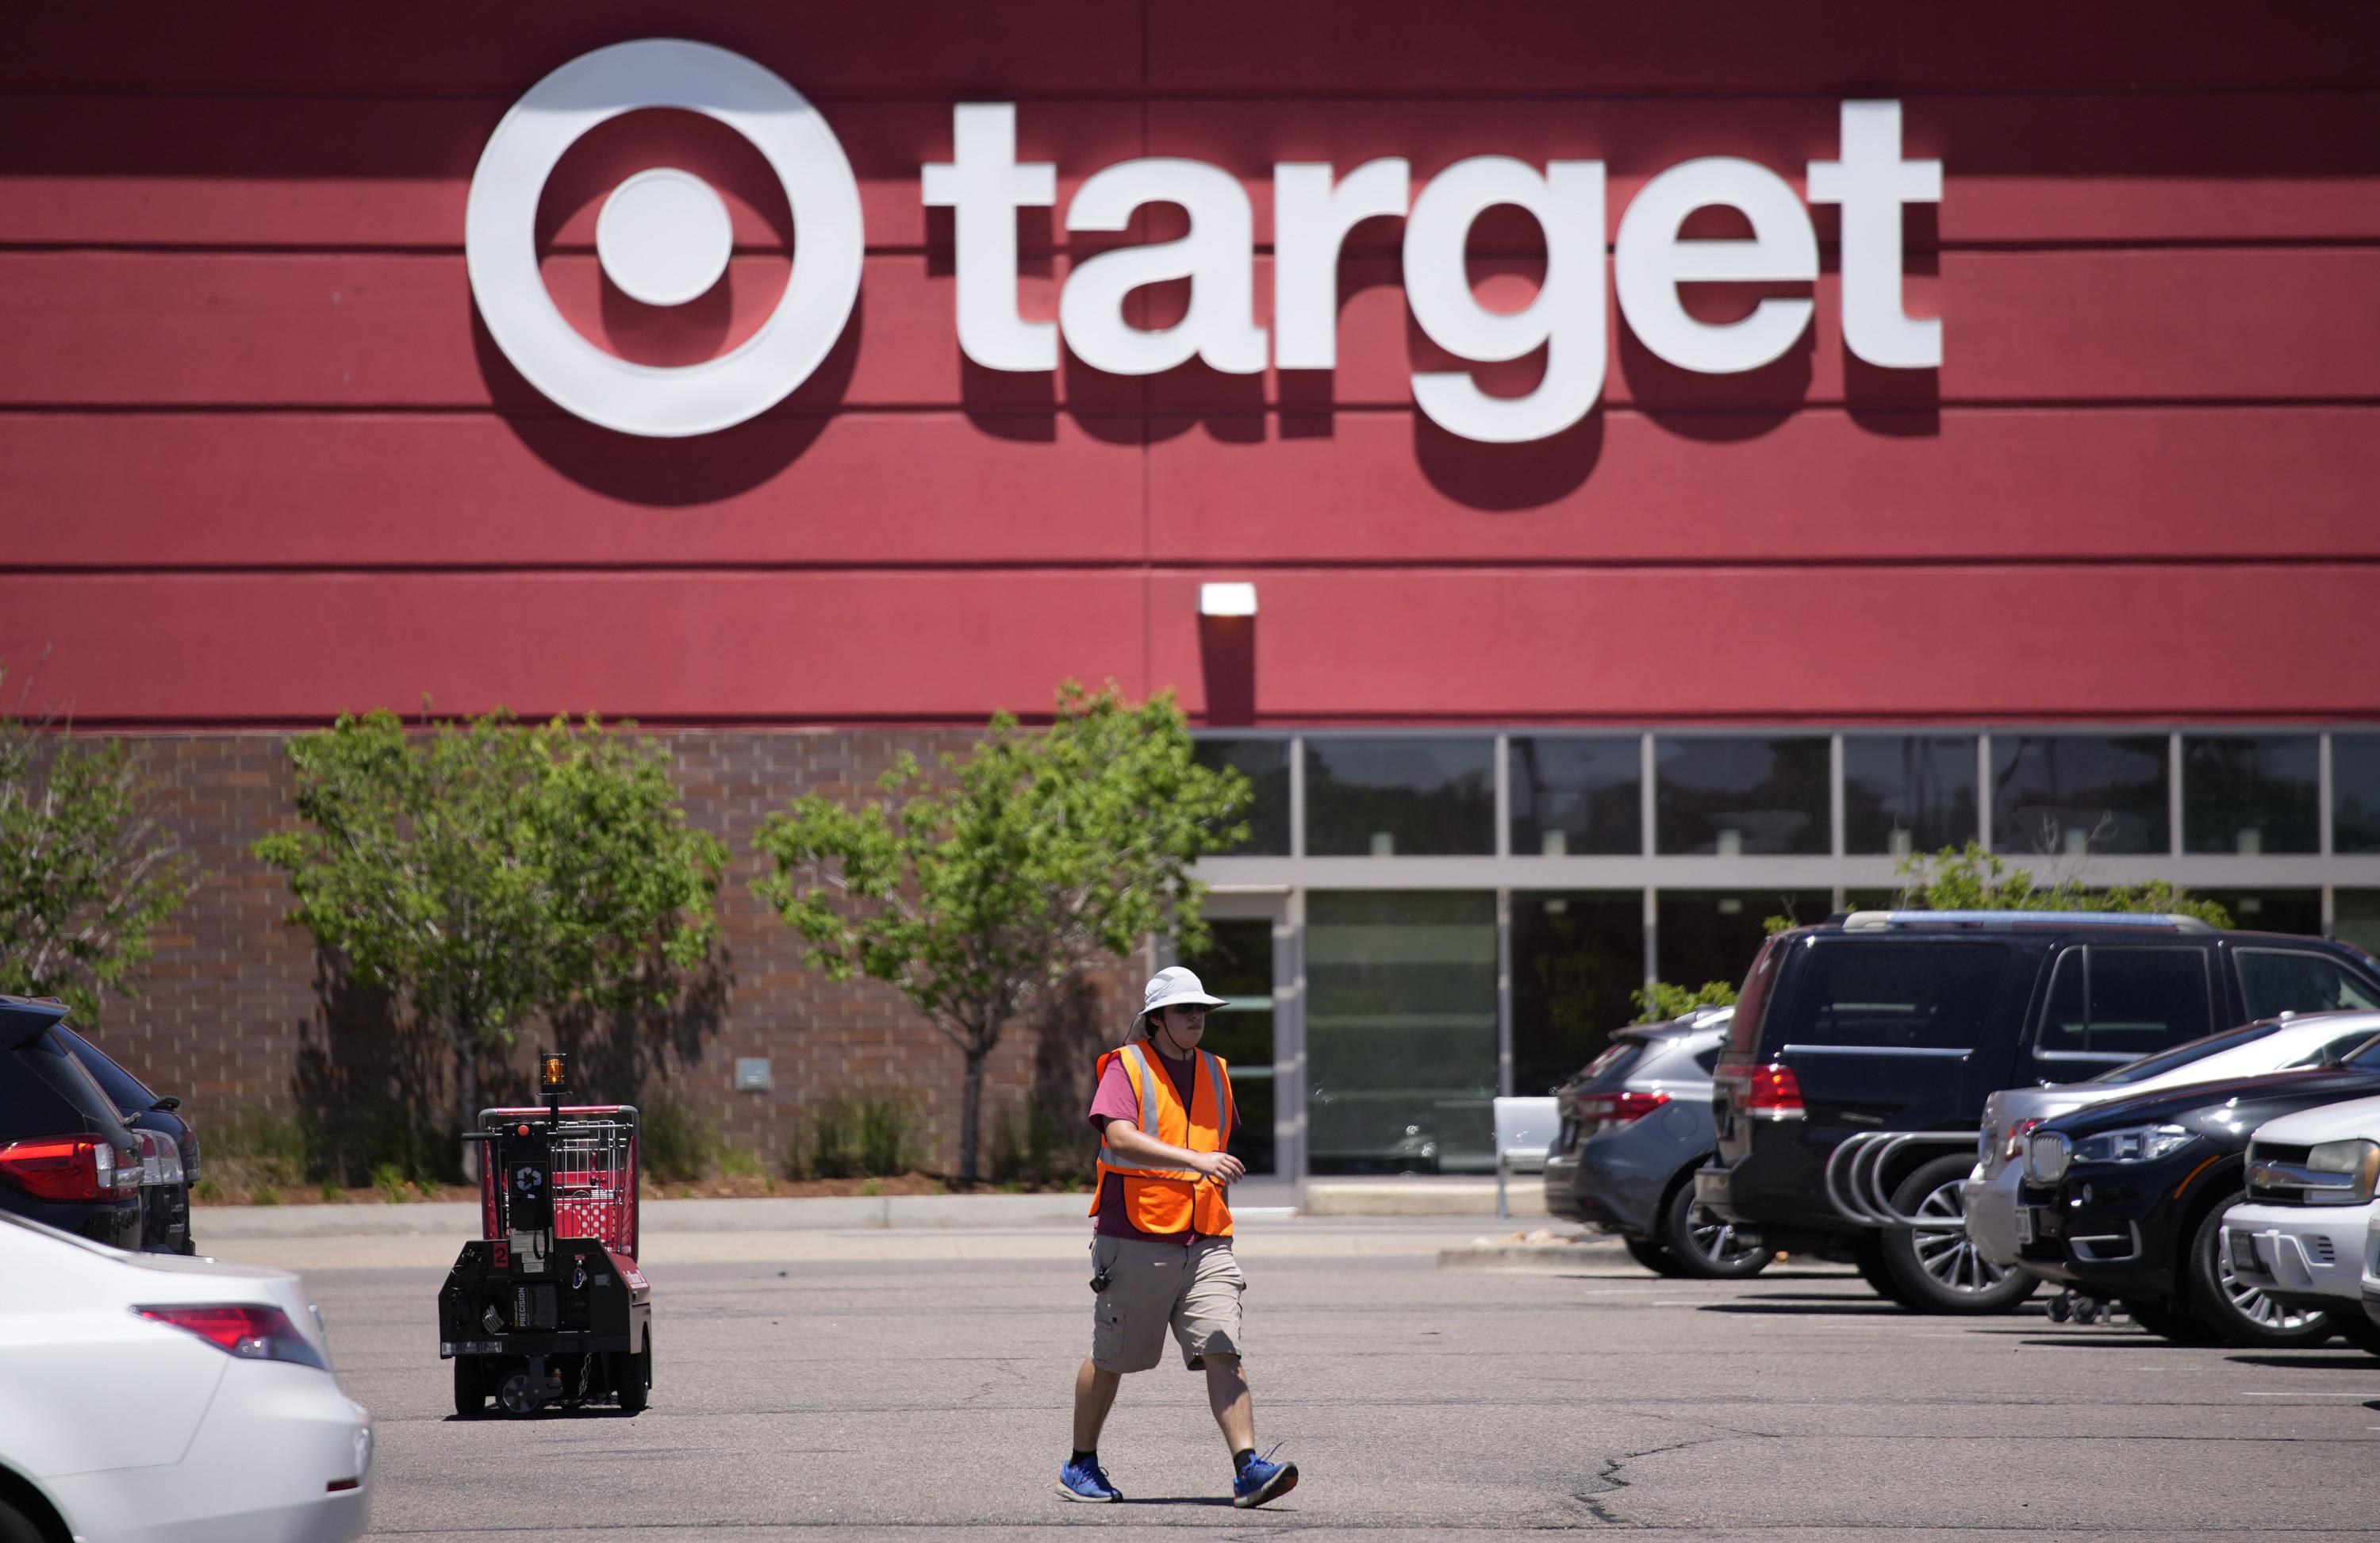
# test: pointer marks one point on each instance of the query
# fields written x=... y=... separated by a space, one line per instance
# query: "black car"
x=169 y=1173
x=67 y=1158
x=1849 y=1101
x=2125 y=1200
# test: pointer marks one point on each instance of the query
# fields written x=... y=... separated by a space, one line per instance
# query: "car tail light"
x=64 y=1168
x=2012 y=1148
x=1602 y=1112
x=1771 y=1092
x=250 y=1331
x=161 y=1158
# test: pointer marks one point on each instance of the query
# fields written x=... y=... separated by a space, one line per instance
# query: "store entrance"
x=1247 y=963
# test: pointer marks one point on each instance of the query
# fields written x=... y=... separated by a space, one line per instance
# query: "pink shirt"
x=1116 y=1101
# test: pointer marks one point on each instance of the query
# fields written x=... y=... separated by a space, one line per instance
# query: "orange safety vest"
x=1171 y=1200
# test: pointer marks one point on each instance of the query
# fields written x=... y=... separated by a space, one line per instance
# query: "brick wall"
x=237 y=1012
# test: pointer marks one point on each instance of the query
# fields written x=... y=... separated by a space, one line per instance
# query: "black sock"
x=1091 y=1457
x=1241 y=1458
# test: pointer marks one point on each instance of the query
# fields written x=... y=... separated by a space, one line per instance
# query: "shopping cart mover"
x=547 y=1305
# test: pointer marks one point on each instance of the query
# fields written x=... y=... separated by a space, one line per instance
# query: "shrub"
x=389 y=1179
x=850 y=1134
x=258 y=1149
x=680 y=1144
x=1034 y=1146
x=1660 y=1001
x=740 y=1162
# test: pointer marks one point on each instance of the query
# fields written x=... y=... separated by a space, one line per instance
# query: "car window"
x=1901 y=996
x=1709 y=1059
x=123 y=1088
x=2278 y=980
x=2108 y=1000
x=73 y=1102
x=2337 y=1048
x=2181 y=1055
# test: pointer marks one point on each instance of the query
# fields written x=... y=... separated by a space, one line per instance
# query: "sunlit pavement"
x=890 y=1396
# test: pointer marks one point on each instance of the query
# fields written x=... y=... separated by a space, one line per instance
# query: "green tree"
x=1971 y=878
x=491 y=872
x=1660 y=1002
x=88 y=872
x=977 y=891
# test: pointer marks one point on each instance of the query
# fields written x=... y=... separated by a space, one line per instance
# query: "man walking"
x=1161 y=1244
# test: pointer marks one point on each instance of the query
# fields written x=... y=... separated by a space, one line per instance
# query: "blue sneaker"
x=1086 y=1481
x=1261 y=1481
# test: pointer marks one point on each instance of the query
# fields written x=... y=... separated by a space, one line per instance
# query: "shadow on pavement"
x=1835 y=1308
x=2315 y=1361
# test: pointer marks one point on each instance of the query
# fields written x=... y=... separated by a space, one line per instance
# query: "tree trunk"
x=467 y=1096
x=971 y=1111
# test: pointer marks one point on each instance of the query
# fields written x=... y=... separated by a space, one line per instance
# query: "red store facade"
x=1677 y=459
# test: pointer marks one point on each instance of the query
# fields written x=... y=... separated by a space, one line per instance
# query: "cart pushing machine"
x=547 y=1305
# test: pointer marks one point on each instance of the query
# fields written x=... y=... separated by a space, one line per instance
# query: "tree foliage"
x=1971 y=878
x=88 y=872
x=1660 y=1002
x=491 y=872
x=976 y=891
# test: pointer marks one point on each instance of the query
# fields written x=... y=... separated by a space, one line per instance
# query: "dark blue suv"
x=66 y=1157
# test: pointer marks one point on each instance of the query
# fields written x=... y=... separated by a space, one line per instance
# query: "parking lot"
x=928 y=1396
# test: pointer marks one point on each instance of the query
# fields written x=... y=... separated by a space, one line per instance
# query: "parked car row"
x=1966 y=1105
x=85 y=1146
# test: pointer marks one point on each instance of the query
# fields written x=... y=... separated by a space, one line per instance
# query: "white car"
x=153 y=1398
x=1993 y=1216
x=2301 y=1235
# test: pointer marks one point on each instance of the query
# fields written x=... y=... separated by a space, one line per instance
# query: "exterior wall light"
x=1227 y=600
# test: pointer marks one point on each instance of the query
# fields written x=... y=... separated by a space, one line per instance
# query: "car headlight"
x=2045 y=1157
x=2342 y=1172
x=2133 y=1144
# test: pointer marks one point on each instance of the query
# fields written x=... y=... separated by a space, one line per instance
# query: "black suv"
x=1848 y=1100
x=67 y=1158
x=169 y=1167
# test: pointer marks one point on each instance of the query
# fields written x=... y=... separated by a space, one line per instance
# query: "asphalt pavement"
x=928 y=1397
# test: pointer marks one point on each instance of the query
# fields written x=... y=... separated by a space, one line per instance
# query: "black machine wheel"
x=636 y=1374
x=2233 y=1309
x=1938 y=1269
x=2169 y=1323
x=470 y=1388
x=18 y=1528
x=1704 y=1247
x=2354 y=1328
x=1652 y=1257
x=1867 y=1258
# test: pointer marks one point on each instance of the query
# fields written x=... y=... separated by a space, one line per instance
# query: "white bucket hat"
x=1175 y=987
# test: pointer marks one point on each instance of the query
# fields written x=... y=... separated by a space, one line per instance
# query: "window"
x=1265 y=763
x=1400 y=1031
x=1733 y=797
x=2297 y=911
x=1904 y=792
x=1237 y=966
x=2250 y=795
x=1400 y=798
x=2116 y=1003
x=2071 y=793
x=2277 y=980
x=1575 y=960
x=1705 y=936
x=1574 y=796
x=1895 y=996
x=2181 y=1055
x=2355 y=793
x=2334 y=1049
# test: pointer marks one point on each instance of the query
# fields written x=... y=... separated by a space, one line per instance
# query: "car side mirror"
x=168 y=1104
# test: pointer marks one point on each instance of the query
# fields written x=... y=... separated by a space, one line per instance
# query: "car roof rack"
x=1878 y=921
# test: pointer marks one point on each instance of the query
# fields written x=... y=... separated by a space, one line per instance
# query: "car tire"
x=1939 y=1270
x=1652 y=1257
x=1867 y=1258
x=1704 y=1248
x=470 y=1388
x=18 y=1528
x=2169 y=1323
x=636 y=1374
x=2238 y=1314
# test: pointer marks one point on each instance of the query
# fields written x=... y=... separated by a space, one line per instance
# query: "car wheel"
x=636 y=1373
x=2355 y=1329
x=1652 y=1257
x=1867 y=1258
x=1702 y=1247
x=18 y=1528
x=470 y=1388
x=1938 y=1269
x=2169 y=1323
x=2238 y=1312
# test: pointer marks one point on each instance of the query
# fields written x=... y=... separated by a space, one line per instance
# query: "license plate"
x=2025 y=1224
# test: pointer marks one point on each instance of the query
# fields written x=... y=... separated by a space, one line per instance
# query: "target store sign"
x=663 y=238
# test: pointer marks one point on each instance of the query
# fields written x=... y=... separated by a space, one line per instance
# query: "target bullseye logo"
x=664 y=237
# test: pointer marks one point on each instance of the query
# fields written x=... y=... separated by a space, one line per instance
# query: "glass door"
x=1249 y=963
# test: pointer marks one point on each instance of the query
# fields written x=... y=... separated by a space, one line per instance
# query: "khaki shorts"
x=1195 y=1290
